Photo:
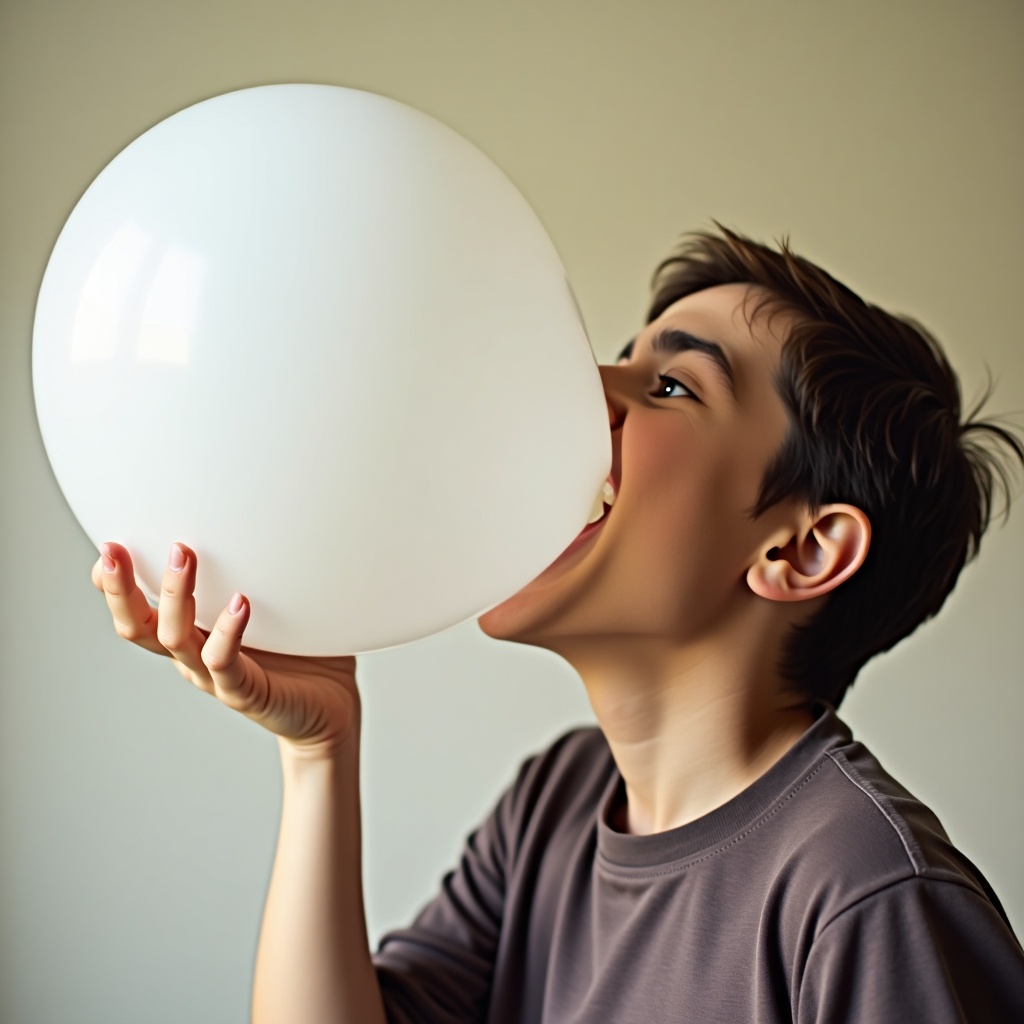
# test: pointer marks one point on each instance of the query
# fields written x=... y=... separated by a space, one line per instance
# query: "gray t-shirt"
x=824 y=892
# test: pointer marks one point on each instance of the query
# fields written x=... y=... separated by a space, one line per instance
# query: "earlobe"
x=827 y=548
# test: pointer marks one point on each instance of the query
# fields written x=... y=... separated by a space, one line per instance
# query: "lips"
x=588 y=531
x=612 y=480
x=615 y=476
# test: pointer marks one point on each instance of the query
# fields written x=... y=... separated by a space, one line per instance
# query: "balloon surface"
x=320 y=338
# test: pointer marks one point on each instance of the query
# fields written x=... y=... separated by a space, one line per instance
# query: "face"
x=695 y=421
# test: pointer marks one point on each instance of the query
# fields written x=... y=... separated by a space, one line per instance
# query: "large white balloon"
x=319 y=337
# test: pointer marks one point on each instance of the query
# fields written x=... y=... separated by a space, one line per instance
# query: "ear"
x=827 y=548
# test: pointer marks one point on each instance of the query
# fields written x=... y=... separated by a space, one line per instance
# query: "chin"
x=500 y=623
x=536 y=615
x=515 y=619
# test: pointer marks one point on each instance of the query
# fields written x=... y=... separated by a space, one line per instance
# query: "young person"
x=796 y=489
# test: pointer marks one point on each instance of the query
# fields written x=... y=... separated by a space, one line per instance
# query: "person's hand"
x=312 y=704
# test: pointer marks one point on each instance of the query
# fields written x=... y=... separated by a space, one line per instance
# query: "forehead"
x=724 y=314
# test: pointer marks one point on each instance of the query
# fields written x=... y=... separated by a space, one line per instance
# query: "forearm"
x=313 y=963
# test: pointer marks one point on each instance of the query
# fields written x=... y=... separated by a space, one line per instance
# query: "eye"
x=671 y=382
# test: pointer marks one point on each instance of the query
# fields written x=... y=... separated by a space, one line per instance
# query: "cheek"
x=689 y=498
x=674 y=507
x=679 y=470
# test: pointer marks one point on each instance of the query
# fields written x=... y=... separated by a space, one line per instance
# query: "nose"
x=614 y=382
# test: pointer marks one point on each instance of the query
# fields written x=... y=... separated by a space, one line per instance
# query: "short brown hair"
x=875 y=421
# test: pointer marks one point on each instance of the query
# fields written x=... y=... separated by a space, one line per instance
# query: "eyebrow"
x=673 y=340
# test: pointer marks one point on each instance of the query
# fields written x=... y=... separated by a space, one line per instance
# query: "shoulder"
x=879 y=915
x=925 y=948
x=860 y=833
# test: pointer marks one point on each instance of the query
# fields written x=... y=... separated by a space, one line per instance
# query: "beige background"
x=138 y=817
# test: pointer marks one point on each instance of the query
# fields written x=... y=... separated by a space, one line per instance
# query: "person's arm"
x=313 y=963
x=922 y=951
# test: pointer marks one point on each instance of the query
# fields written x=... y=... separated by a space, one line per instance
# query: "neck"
x=690 y=725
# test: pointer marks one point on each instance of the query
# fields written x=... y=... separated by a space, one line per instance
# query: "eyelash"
x=666 y=380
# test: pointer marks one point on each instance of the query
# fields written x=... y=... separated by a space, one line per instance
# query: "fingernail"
x=176 y=559
x=109 y=565
x=235 y=604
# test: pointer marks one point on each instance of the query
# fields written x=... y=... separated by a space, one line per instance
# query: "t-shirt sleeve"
x=439 y=969
x=921 y=950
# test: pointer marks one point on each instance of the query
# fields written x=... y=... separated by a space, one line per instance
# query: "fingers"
x=176 y=628
x=234 y=676
x=214 y=663
x=133 y=617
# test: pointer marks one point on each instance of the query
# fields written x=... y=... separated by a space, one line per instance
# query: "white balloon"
x=320 y=338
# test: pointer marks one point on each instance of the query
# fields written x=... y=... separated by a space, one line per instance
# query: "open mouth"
x=599 y=517
x=603 y=504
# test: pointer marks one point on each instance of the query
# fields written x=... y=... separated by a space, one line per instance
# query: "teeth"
x=606 y=497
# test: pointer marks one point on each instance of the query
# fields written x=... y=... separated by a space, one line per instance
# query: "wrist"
x=322 y=758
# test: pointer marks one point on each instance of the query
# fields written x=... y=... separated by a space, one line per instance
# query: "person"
x=795 y=488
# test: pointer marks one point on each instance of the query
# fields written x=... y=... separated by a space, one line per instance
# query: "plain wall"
x=887 y=138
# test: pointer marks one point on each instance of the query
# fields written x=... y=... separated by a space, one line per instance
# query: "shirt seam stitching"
x=853 y=776
x=926 y=880
x=614 y=867
x=816 y=941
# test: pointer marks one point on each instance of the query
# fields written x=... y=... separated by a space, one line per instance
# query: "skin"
x=313 y=960
x=312 y=704
x=674 y=612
